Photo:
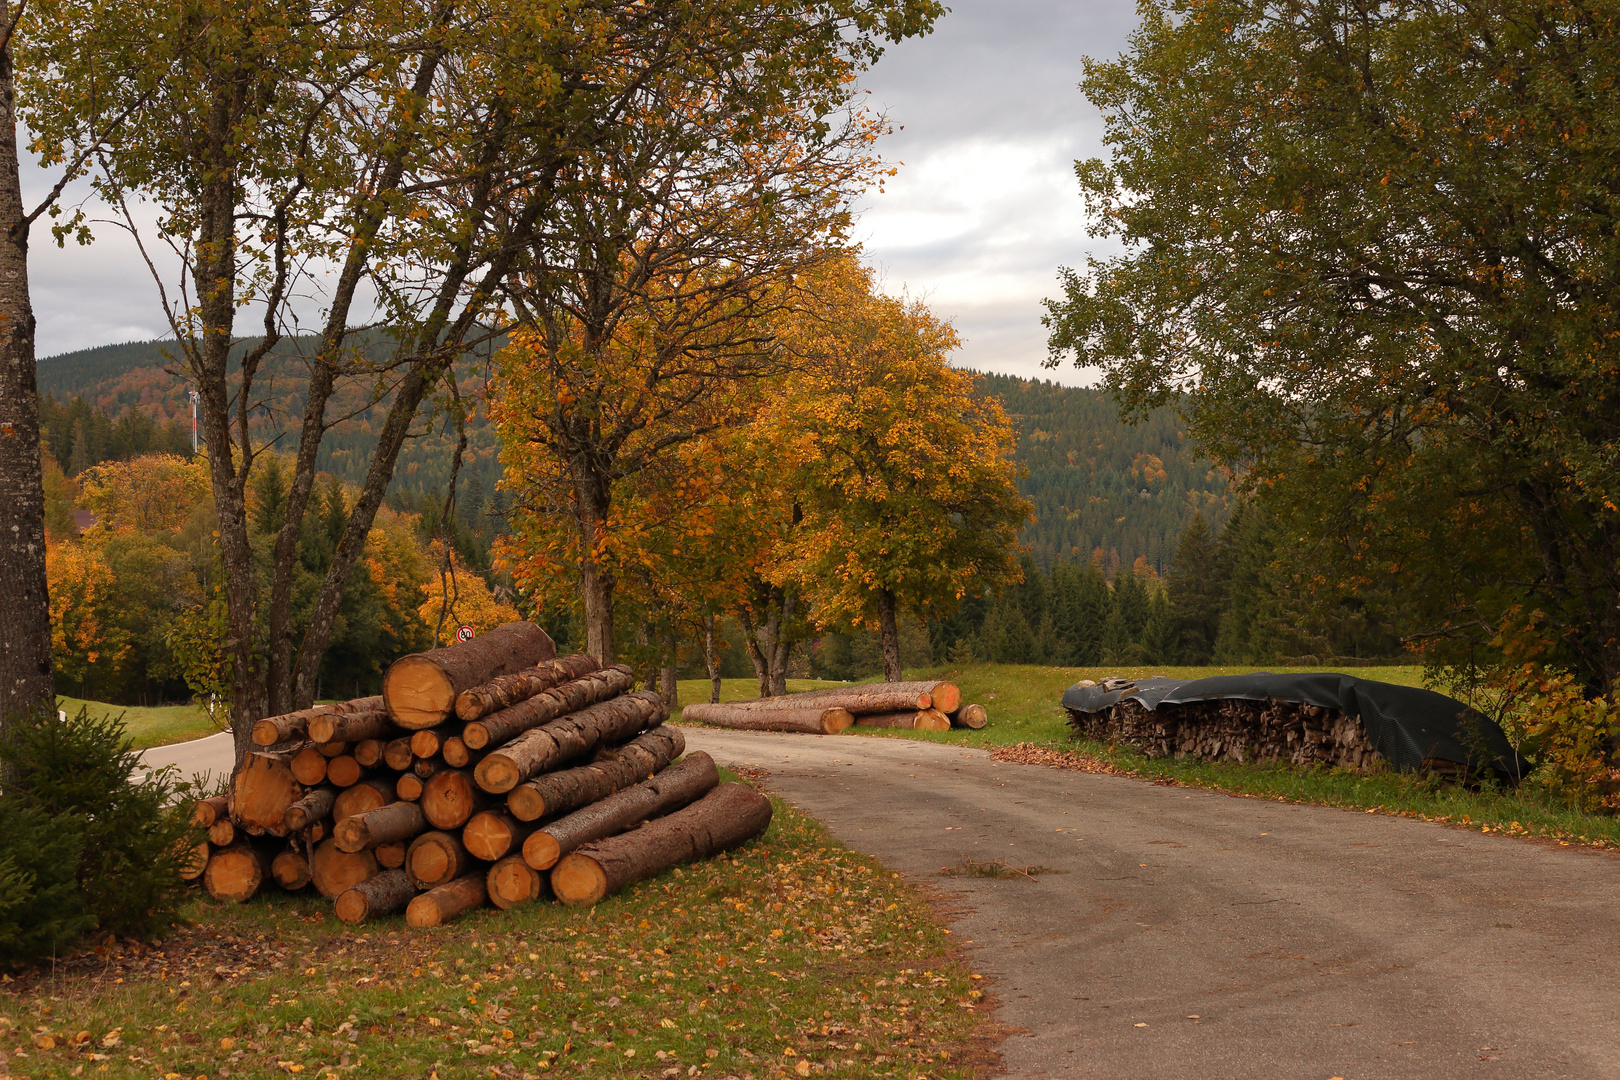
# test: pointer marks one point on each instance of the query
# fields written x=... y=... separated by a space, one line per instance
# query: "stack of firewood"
x=1231 y=729
x=486 y=772
x=921 y=706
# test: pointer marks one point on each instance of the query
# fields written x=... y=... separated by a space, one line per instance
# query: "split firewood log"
x=263 y=790
x=309 y=766
x=492 y=835
x=295 y=725
x=970 y=716
x=366 y=795
x=544 y=707
x=384 y=825
x=440 y=905
x=569 y=789
x=354 y=726
x=420 y=690
x=237 y=873
x=222 y=833
x=921 y=720
x=450 y=797
x=512 y=882
x=548 y=746
x=195 y=860
x=435 y=858
x=397 y=754
x=207 y=811
x=314 y=806
x=508 y=690
x=384 y=894
x=335 y=872
x=344 y=771
x=391 y=856
x=729 y=815
x=290 y=869
x=813 y=719
x=675 y=787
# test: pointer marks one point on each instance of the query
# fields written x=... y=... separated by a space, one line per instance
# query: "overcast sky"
x=983 y=212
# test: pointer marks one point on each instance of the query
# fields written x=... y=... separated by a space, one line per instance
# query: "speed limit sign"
x=465 y=633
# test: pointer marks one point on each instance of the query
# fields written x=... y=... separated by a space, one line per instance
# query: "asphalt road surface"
x=1197 y=935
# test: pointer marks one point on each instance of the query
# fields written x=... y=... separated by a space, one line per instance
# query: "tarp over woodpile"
x=1408 y=725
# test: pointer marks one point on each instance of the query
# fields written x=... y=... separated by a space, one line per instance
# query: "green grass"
x=789 y=950
x=149 y=727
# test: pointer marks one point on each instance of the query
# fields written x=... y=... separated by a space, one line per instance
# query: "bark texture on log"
x=670 y=790
x=729 y=815
x=263 y=789
x=292 y=726
x=598 y=686
x=508 y=690
x=290 y=869
x=382 y=895
x=335 y=872
x=511 y=882
x=207 y=811
x=314 y=806
x=435 y=858
x=492 y=835
x=384 y=825
x=812 y=719
x=569 y=789
x=421 y=689
x=868 y=698
x=354 y=726
x=309 y=766
x=444 y=903
x=237 y=873
x=970 y=716
x=366 y=795
x=450 y=798
x=549 y=746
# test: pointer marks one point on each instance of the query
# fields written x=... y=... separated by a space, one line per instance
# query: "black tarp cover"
x=1406 y=724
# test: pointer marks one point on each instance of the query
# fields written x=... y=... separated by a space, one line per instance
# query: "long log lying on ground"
x=420 y=690
x=670 y=790
x=207 y=811
x=868 y=698
x=450 y=797
x=569 y=789
x=813 y=719
x=237 y=873
x=354 y=726
x=335 y=872
x=384 y=825
x=512 y=881
x=729 y=815
x=547 y=706
x=263 y=790
x=435 y=858
x=382 y=895
x=970 y=716
x=549 y=746
x=366 y=795
x=508 y=690
x=444 y=903
x=295 y=725
x=290 y=869
x=921 y=720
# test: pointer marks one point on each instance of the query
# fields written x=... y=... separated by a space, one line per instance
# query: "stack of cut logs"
x=486 y=772
x=920 y=706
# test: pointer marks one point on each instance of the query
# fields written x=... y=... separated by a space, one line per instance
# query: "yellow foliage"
x=155 y=493
x=471 y=603
x=84 y=623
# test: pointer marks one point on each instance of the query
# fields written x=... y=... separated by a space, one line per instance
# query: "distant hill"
x=1097 y=484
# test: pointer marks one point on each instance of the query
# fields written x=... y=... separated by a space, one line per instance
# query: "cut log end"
x=579 y=880
x=932 y=720
x=419 y=693
x=237 y=873
x=946 y=697
x=512 y=882
x=971 y=716
x=291 y=870
x=541 y=850
x=497 y=775
x=440 y=905
x=387 y=892
x=194 y=861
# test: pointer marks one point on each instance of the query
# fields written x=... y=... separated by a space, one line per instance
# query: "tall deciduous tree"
x=1378 y=247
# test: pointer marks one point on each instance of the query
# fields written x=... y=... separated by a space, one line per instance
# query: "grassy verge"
x=792 y=956
x=148 y=727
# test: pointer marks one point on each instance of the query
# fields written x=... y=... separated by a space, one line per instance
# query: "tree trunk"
x=666 y=674
x=435 y=858
x=382 y=895
x=508 y=690
x=421 y=689
x=711 y=659
x=293 y=726
x=812 y=719
x=889 y=636
x=570 y=697
x=592 y=501
x=669 y=790
x=447 y=901
x=730 y=815
x=26 y=687
x=512 y=882
x=547 y=747
x=569 y=789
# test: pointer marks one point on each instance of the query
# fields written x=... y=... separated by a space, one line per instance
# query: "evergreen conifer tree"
x=1196 y=593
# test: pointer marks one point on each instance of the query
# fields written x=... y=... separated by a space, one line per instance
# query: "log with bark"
x=204 y=812
x=424 y=768
x=314 y=806
x=970 y=716
x=450 y=797
x=334 y=872
x=263 y=790
x=435 y=858
x=499 y=727
x=344 y=771
x=237 y=873
x=548 y=746
x=309 y=766
x=290 y=727
x=569 y=789
x=492 y=835
x=291 y=869
x=384 y=825
x=420 y=690
x=729 y=815
x=444 y=903
x=812 y=719
x=457 y=755
x=675 y=787
x=353 y=726
x=920 y=720
x=366 y=795
x=867 y=698
x=508 y=690
x=384 y=894
x=511 y=882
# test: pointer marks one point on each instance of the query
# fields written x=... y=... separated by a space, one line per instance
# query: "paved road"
x=211 y=754
x=1198 y=935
